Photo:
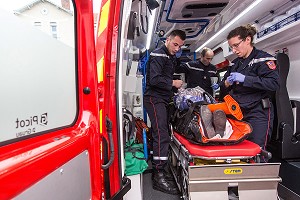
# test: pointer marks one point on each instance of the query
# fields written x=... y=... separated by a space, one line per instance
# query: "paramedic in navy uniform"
x=198 y=73
x=159 y=82
x=252 y=80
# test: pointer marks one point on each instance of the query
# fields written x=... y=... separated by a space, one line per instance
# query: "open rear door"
x=108 y=37
x=49 y=110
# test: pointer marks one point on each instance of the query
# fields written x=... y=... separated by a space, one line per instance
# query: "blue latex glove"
x=230 y=80
x=237 y=77
x=215 y=86
x=178 y=53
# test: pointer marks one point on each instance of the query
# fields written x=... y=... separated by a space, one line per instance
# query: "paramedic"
x=159 y=82
x=199 y=73
x=251 y=80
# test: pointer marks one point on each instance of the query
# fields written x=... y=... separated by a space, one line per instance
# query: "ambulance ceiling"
x=192 y=16
x=202 y=19
x=258 y=12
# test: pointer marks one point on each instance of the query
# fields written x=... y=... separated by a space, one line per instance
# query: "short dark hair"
x=243 y=32
x=178 y=33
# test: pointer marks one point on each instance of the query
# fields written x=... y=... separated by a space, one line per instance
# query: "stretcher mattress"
x=243 y=149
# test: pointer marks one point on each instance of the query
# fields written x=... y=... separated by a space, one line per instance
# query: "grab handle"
x=111 y=143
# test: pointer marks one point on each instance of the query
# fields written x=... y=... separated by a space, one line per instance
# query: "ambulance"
x=71 y=71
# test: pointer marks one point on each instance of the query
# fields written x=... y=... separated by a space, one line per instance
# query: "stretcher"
x=209 y=172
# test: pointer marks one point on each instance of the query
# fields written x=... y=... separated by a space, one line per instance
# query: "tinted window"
x=37 y=68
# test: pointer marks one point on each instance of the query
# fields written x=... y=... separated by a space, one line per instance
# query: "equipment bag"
x=140 y=126
x=133 y=128
x=135 y=161
x=134 y=158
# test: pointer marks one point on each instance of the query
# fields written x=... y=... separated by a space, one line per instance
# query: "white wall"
x=293 y=79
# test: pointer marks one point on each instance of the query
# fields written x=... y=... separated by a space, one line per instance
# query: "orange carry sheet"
x=229 y=106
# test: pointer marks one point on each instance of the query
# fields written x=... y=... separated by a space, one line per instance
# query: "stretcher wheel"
x=173 y=159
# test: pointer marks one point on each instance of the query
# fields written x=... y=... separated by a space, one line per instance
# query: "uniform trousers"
x=157 y=109
x=261 y=120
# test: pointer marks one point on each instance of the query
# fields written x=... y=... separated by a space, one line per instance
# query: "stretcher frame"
x=212 y=181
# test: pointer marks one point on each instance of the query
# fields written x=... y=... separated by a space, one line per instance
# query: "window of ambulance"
x=37 y=68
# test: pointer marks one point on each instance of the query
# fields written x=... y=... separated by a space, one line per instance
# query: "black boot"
x=161 y=183
x=219 y=120
x=168 y=175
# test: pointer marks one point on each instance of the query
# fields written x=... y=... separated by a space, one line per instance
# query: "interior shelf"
x=284 y=35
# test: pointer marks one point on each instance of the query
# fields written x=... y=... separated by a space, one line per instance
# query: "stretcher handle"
x=266 y=154
x=230 y=181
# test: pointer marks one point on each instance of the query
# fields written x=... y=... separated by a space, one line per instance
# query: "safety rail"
x=292 y=18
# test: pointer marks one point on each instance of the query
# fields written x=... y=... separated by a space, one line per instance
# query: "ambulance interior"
x=145 y=25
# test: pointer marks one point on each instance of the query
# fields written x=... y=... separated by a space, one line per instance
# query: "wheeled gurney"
x=207 y=172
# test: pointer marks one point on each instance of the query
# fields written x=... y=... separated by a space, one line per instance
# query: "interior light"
x=161 y=33
x=150 y=30
x=152 y=4
x=255 y=3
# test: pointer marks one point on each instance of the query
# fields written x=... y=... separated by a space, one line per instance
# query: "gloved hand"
x=178 y=53
x=230 y=80
x=238 y=77
x=215 y=86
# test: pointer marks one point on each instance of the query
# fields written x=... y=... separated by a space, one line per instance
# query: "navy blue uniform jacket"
x=160 y=70
x=261 y=78
x=197 y=74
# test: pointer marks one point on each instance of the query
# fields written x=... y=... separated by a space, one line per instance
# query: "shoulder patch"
x=271 y=64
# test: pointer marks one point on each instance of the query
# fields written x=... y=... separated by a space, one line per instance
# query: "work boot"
x=168 y=175
x=206 y=116
x=219 y=120
x=161 y=183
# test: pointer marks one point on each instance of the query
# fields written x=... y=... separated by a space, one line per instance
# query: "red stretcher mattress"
x=243 y=149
